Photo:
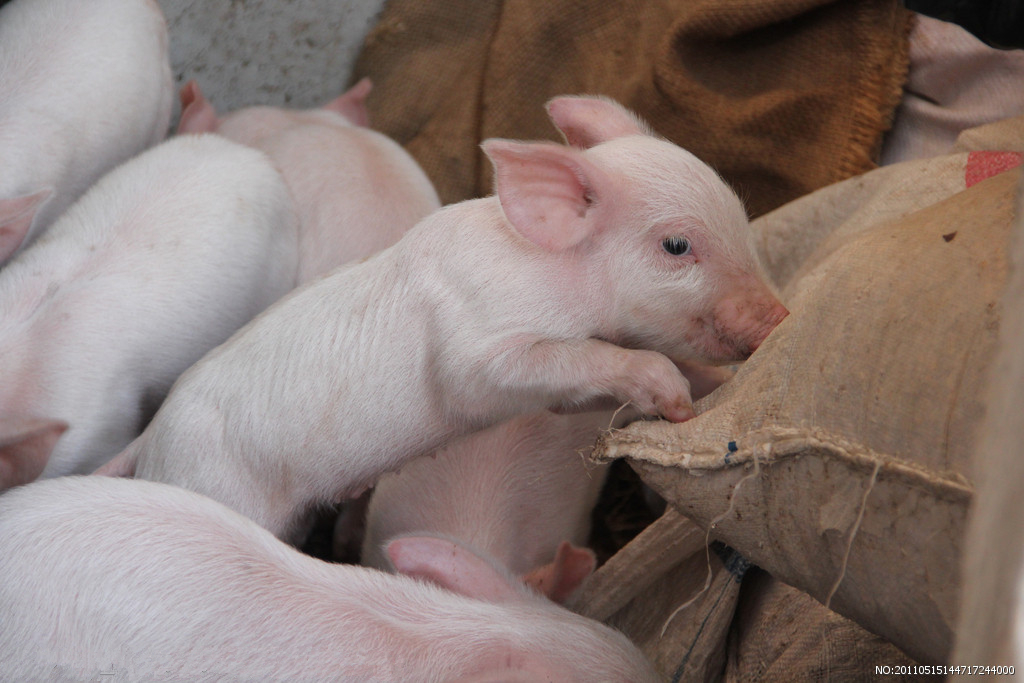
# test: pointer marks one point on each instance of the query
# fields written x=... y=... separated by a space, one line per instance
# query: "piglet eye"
x=677 y=246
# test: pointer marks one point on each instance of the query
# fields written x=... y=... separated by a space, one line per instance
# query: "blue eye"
x=677 y=246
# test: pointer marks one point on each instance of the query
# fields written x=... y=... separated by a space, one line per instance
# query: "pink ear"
x=352 y=103
x=532 y=674
x=197 y=114
x=25 y=447
x=589 y=121
x=560 y=579
x=121 y=465
x=550 y=194
x=16 y=216
x=450 y=566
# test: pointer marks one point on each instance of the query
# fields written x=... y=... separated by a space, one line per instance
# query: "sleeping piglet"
x=592 y=269
x=84 y=86
x=356 y=190
x=157 y=263
x=145 y=581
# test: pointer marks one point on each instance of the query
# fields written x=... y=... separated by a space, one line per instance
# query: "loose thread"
x=702 y=591
x=615 y=415
x=853 y=532
x=707 y=541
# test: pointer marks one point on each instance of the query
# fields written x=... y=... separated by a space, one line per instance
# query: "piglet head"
x=662 y=244
x=687 y=282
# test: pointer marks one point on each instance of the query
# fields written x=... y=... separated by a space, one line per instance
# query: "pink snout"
x=742 y=323
x=771 y=320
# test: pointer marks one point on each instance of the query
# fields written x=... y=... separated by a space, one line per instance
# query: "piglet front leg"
x=579 y=371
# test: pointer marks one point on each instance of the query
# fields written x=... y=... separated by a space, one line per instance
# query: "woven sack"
x=838 y=458
x=781 y=96
x=671 y=595
x=704 y=614
x=991 y=625
x=782 y=634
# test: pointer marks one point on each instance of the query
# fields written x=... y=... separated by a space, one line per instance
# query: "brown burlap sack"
x=671 y=595
x=782 y=634
x=991 y=625
x=684 y=605
x=781 y=96
x=838 y=458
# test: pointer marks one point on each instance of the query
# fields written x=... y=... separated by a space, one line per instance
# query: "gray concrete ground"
x=297 y=53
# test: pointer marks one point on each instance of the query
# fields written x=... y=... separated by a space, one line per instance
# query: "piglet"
x=357 y=191
x=588 y=274
x=146 y=581
x=522 y=491
x=83 y=87
x=157 y=263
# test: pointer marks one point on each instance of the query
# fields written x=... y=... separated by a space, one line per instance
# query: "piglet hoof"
x=656 y=387
x=679 y=413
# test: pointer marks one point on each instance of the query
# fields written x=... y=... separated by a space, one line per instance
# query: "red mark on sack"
x=984 y=165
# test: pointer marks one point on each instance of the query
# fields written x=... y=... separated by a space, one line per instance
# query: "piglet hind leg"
x=576 y=372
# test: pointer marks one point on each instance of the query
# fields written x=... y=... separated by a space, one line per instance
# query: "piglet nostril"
x=775 y=316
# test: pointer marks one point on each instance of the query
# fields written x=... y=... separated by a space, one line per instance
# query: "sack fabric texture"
x=840 y=456
x=780 y=96
x=706 y=614
x=991 y=624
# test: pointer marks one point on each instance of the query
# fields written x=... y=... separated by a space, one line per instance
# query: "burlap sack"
x=782 y=634
x=671 y=595
x=781 y=96
x=839 y=457
x=704 y=614
x=991 y=625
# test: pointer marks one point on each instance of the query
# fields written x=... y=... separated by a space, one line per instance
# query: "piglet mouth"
x=724 y=347
x=773 y=317
x=738 y=332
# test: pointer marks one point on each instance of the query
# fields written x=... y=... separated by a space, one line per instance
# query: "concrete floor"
x=297 y=53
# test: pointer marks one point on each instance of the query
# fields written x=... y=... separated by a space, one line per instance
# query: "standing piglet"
x=588 y=273
x=144 y=581
x=356 y=190
x=157 y=263
x=84 y=85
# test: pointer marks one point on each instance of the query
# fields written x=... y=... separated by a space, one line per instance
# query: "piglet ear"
x=451 y=566
x=197 y=113
x=509 y=676
x=16 y=217
x=560 y=579
x=25 y=447
x=589 y=121
x=352 y=103
x=550 y=194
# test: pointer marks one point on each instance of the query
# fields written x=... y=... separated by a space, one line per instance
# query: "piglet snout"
x=743 y=321
x=775 y=315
